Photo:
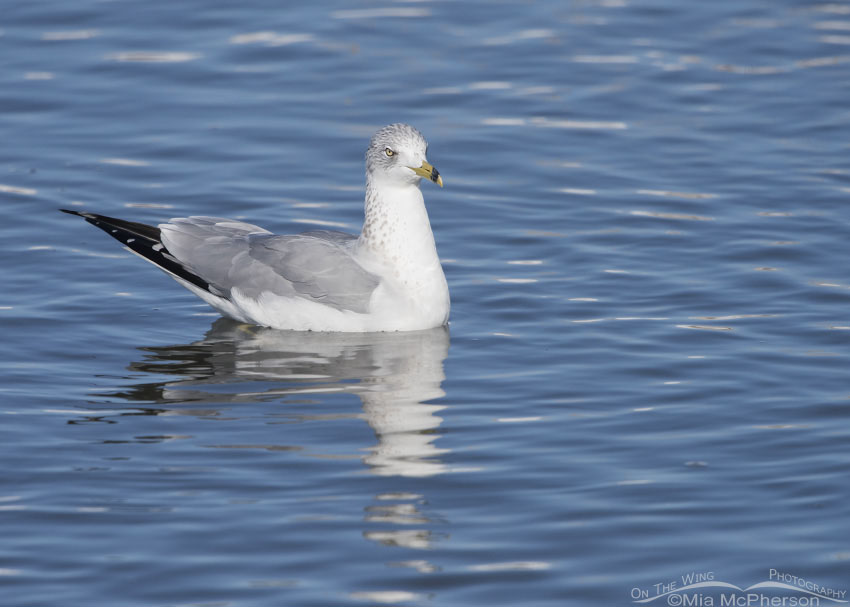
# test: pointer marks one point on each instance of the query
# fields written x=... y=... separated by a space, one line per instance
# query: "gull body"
x=387 y=278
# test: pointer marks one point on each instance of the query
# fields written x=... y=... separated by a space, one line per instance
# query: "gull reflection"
x=393 y=374
x=401 y=511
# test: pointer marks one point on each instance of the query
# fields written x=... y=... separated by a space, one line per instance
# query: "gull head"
x=396 y=155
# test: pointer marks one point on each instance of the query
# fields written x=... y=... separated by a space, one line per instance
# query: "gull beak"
x=428 y=172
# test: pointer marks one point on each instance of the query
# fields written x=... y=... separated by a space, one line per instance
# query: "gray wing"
x=317 y=266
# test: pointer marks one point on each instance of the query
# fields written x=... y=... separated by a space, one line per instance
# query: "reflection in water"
x=392 y=373
x=402 y=510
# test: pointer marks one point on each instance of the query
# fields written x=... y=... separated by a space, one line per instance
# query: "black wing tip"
x=85 y=215
x=145 y=241
x=92 y=218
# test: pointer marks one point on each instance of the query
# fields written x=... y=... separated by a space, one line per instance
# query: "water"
x=644 y=229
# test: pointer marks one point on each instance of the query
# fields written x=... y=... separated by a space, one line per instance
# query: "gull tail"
x=146 y=242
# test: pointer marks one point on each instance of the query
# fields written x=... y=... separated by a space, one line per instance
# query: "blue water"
x=644 y=230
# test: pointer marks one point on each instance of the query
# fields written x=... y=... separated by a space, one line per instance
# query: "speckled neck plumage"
x=397 y=231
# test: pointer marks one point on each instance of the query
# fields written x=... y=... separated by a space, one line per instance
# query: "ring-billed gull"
x=388 y=278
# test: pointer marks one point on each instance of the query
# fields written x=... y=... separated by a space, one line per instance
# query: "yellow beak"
x=428 y=172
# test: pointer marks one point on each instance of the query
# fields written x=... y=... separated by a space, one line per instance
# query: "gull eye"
x=389 y=152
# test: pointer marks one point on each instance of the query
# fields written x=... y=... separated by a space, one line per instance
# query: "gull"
x=387 y=278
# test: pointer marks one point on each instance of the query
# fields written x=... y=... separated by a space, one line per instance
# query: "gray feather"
x=316 y=265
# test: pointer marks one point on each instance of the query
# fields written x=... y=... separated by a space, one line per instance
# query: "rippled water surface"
x=645 y=233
